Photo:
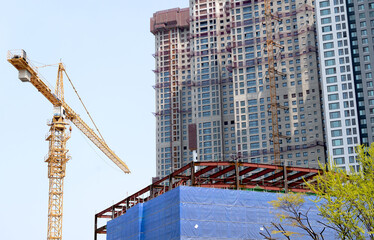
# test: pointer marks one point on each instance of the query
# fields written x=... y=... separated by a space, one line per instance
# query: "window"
x=252 y=102
x=334 y=115
x=328 y=45
x=251 y=90
x=324 y=4
x=330 y=62
x=338 y=151
x=336 y=133
x=327 y=37
x=332 y=88
x=327 y=29
x=326 y=20
x=329 y=54
x=333 y=97
x=337 y=142
x=331 y=79
x=330 y=71
x=339 y=160
x=333 y=106
x=335 y=124
x=252 y=109
x=325 y=12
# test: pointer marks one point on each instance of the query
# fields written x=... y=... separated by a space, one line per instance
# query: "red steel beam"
x=299 y=182
x=205 y=170
x=296 y=175
x=101 y=230
x=225 y=170
x=248 y=186
x=241 y=164
x=307 y=170
x=242 y=172
x=215 y=164
x=274 y=176
x=257 y=175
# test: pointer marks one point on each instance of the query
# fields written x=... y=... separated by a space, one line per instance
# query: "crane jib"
x=29 y=73
x=57 y=136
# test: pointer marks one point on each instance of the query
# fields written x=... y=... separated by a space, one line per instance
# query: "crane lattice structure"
x=58 y=135
x=274 y=106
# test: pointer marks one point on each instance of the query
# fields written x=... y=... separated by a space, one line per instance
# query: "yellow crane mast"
x=270 y=44
x=57 y=136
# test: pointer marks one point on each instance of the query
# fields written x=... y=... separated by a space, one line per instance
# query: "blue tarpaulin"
x=190 y=213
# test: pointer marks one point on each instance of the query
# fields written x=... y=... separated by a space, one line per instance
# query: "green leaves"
x=348 y=199
x=345 y=200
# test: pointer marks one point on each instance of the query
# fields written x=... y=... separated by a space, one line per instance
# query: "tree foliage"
x=347 y=200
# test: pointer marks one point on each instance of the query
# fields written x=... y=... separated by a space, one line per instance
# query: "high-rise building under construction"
x=212 y=84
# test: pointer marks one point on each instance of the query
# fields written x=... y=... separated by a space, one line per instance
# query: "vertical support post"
x=170 y=182
x=285 y=177
x=112 y=212
x=151 y=191
x=95 y=226
x=192 y=174
x=237 y=175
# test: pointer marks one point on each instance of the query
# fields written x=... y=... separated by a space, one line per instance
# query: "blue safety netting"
x=127 y=226
x=161 y=216
x=190 y=213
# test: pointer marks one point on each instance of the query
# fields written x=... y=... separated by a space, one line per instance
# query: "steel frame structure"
x=226 y=175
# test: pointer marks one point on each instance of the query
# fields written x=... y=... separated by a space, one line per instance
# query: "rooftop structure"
x=209 y=213
x=225 y=175
x=170 y=19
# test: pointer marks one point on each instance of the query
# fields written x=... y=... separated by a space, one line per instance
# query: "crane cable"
x=84 y=106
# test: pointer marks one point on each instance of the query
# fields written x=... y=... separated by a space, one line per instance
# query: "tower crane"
x=270 y=44
x=57 y=136
x=274 y=106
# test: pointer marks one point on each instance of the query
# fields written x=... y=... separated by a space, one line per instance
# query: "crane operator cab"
x=59 y=111
x=24 y=75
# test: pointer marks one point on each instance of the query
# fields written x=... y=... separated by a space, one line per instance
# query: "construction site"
x=239 y=121
x=211 y=183
x=166 y=195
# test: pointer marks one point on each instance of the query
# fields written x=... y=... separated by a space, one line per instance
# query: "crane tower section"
x=271 y=75
x=56 y=159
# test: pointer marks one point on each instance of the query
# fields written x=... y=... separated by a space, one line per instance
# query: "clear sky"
x=107 y=49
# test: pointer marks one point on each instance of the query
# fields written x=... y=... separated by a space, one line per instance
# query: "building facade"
x=211 y=76
x=173 y=93
x=345 y=36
